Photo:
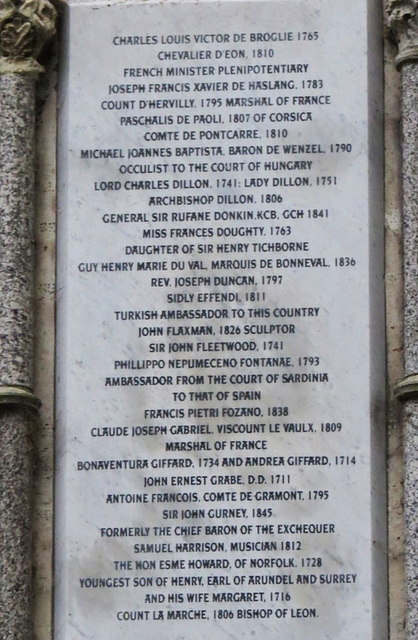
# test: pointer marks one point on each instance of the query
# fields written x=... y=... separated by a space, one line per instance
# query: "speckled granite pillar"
x=15 y=523
x=24 y=27
x=16 y=423
x=17 y=106
x=409 y=72
x=403 y=19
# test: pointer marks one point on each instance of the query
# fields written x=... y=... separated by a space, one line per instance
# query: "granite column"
x=24 y=28
x=403 y=20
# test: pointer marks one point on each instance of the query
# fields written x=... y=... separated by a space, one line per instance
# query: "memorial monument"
x=220 y=354
x=219 y=255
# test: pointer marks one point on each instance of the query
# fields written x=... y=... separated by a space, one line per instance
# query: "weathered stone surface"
x=410 y=236
x=410 y=212
x=16 y=425
x=44 y=334
x=16 y=228
x=25 y=26
x=402 y=19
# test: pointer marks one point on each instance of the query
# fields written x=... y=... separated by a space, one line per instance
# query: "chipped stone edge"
x=20 y=67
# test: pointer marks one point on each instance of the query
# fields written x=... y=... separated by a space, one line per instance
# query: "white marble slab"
x=220 y=345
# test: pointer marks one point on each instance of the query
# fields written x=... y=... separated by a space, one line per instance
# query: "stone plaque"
x=220 y=345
